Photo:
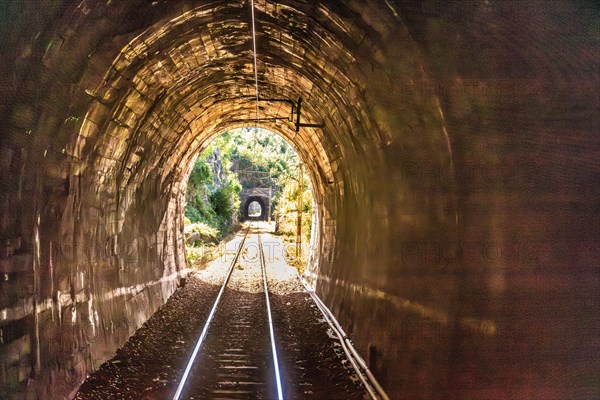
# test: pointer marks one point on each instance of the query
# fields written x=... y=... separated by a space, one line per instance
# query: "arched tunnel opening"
x=251 y=174
x=255 y=207
x=452 y=151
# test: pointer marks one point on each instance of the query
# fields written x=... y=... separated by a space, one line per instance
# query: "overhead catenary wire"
x=254 y=57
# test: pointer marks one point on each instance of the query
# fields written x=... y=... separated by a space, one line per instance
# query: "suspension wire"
x=255 y=64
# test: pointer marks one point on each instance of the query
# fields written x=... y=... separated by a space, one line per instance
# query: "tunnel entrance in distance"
x=255 y=210
x=250 y=174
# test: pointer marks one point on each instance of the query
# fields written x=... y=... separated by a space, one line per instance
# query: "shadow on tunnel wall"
x=455 y=179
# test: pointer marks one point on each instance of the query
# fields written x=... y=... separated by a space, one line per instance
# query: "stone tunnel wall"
x=454 y=178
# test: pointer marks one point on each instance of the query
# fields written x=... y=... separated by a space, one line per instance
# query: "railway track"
x=235 y=356
x=241 y=361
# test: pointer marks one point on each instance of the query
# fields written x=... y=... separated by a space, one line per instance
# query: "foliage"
x=262 y=152
x=200 y=177
x=286 y=211
x=286 y=214
x=198 y=256
x=201 y=174
x=202 y=228
x=208 y=204
x=221 y=203
x=201 y=249
x=225 y=202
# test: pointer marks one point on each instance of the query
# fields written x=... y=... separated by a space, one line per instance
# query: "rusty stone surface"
x=455 y=178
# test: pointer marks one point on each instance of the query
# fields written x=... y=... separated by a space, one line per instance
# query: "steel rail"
x=190 y=363
x=375 y=390
x=271 y=330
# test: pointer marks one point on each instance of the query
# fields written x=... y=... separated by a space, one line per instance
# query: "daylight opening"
x=248 y=174
x=254 y=209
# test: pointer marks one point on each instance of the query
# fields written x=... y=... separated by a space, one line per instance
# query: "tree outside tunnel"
x=106 y=106
x=212 y=193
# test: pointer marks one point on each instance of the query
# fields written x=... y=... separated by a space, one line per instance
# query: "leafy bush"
x=206 y=203
x=201 y=174
x=203 y=229
x=221 y=203
x=286 y=210
x=197 y=256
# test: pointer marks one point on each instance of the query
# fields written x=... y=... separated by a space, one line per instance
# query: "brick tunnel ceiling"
x=471 y=124
x=185 y=80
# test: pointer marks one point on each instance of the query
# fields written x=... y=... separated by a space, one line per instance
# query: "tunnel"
x=453 y=161
x=263 y=204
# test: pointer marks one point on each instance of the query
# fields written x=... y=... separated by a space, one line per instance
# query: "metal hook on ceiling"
x=303 y=124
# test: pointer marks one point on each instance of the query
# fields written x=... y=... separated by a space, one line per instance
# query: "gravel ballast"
x=150 y=364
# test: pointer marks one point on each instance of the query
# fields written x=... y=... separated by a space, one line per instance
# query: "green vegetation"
x=201 y=229
x=286 y=210
x=200 y=178
x=202 y=239
x=260 y=157
x=213 y=201
x=286 y=216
